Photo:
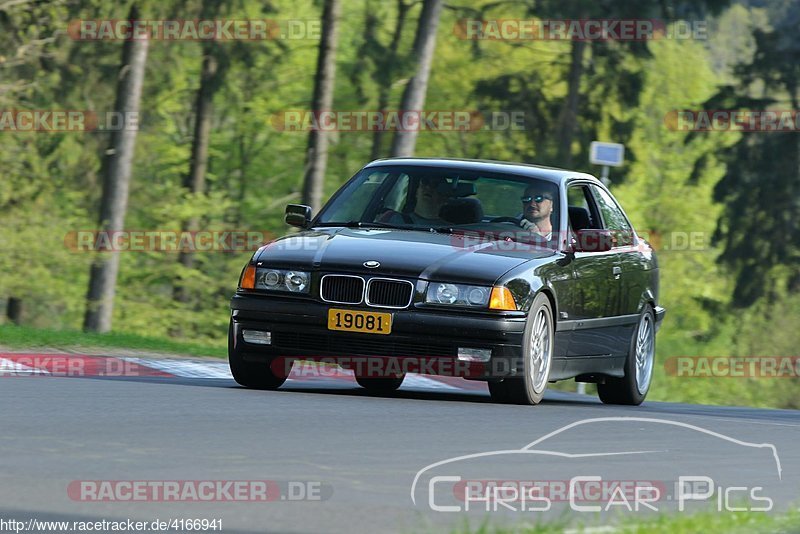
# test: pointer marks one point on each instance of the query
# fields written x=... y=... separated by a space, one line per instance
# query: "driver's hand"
x=527 y=225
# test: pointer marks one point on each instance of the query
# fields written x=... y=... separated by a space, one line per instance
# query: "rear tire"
x=633 y=387
x=255 y=375
x=537 y=356
x=382 y=384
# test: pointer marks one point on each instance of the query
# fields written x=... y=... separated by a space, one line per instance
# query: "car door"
x=628 y=267
x=595 y=293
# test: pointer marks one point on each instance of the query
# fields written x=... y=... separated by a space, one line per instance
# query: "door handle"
x=617 y=271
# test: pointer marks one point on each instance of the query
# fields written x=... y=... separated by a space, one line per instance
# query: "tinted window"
x=581 y=212
x=430 y=197
x=613 y=218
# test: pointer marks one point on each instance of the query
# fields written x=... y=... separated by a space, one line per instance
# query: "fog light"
x=474 y=355
x=257 y=337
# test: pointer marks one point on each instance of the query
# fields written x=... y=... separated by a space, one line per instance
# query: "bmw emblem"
x=372 y=264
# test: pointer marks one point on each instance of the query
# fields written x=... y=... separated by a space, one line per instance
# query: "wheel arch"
x=648 y=297
x=548 y=292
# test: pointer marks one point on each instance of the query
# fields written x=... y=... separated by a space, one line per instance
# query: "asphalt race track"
x=343 y=460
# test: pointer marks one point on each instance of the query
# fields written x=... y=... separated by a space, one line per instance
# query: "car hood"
x=407 y=253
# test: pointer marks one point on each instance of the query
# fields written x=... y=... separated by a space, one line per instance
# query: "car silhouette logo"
x=372 y=264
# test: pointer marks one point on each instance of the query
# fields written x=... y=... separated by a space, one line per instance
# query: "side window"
x=613 y=217
x=582 y=213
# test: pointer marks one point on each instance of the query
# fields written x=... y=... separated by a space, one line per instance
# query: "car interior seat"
x=466 y=210
x=579 y=218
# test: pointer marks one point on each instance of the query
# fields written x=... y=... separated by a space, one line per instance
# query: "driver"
x=537 y=209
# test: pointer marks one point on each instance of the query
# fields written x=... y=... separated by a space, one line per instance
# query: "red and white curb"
x=185 y=368
x=81 y=365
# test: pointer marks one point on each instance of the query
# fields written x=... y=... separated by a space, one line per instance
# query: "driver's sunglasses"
x=536 y=198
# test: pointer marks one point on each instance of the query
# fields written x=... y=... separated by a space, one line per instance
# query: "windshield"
x=447 y=199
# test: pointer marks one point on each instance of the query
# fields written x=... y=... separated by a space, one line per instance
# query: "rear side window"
x=613 y=218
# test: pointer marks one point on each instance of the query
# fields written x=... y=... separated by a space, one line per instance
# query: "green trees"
x=211 y=152
x=44 y=177
x=317 y=152
x=417 y=87
x=212 y=75
x=760 y=191
x=117 y=169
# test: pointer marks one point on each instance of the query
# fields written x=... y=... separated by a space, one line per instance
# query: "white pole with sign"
x=607 y=155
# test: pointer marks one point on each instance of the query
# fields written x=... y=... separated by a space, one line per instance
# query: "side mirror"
x=591 y=240
x=298 y=215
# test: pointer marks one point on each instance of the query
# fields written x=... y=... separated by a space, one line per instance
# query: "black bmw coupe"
x=517 y=275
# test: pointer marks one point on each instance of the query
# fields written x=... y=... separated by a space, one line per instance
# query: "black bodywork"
x=596 y=296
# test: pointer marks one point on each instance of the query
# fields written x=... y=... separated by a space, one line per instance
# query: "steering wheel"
x=505 y=220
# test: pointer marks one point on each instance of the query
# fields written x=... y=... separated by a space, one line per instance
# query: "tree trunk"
x=244 y=165
x=317 y=152
x=14 y=310
x=195 y=180
x=385 y=88
x=569 y=112
x=794 y=281
x=417 y=88
x=116 y=181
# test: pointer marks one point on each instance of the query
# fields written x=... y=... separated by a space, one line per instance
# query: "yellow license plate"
x=359 y=321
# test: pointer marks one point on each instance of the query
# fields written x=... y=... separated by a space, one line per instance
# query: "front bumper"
x=421 y=336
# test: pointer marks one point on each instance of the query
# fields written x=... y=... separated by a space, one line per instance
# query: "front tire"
x=633 y=387
x=255 y=375
x=537 y=356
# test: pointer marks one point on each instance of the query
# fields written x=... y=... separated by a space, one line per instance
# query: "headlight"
x=296 y=281
x=457 y=294
x=282 y=280
x=446 y=293
x=271 y=279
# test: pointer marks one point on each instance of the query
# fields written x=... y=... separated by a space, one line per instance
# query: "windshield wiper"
x=362 y=224
x=365 y=224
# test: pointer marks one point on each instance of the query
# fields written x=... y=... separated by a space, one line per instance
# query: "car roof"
x=501 y=167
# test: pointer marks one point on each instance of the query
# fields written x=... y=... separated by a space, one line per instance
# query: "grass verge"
x=25 y=337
